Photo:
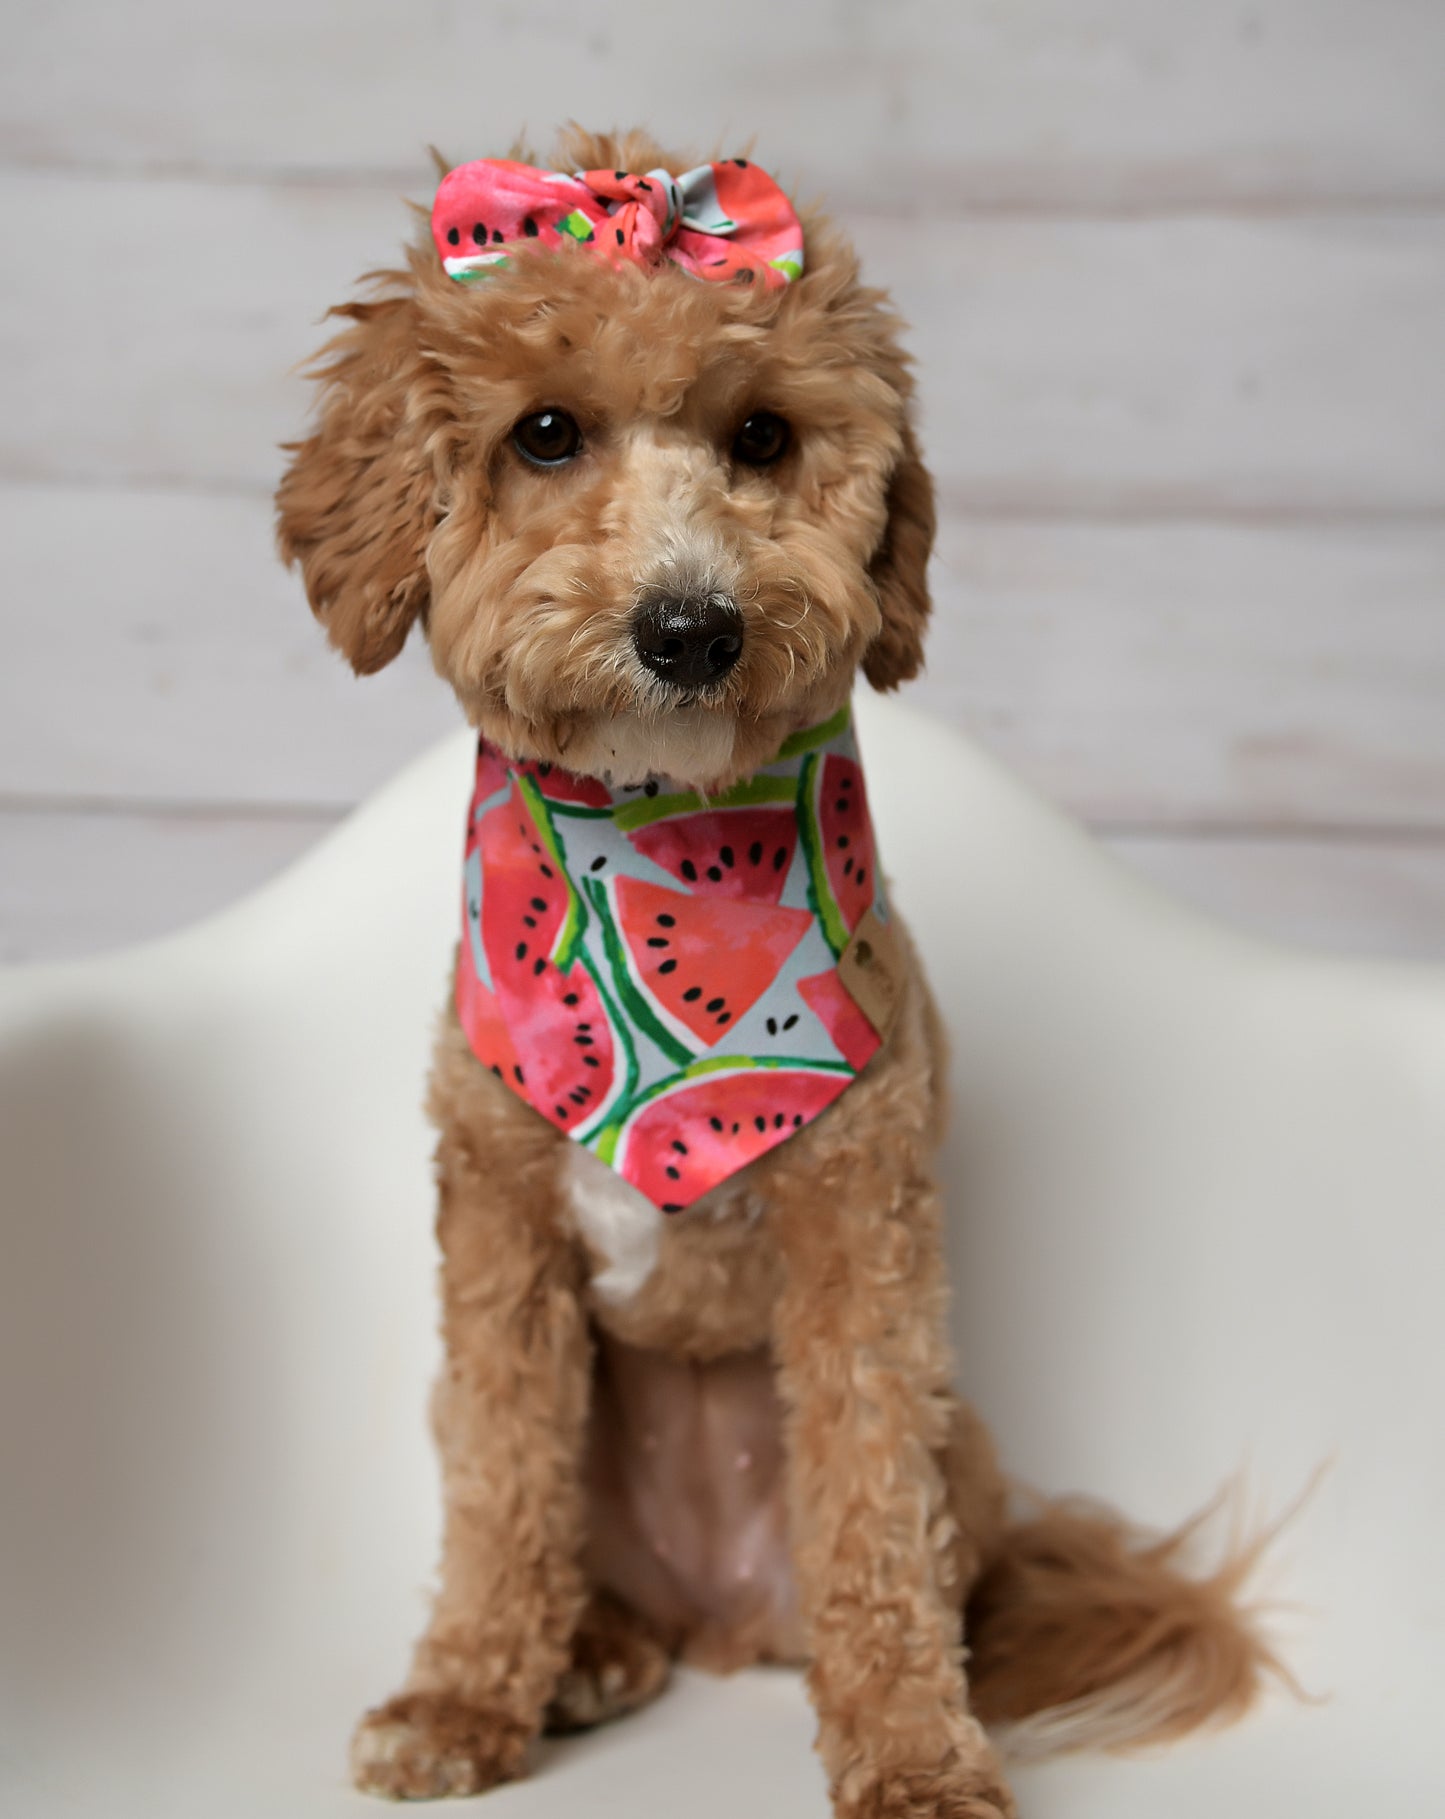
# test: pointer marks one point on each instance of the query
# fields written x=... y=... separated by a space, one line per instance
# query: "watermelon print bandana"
x=662 y=977
x=726 y=222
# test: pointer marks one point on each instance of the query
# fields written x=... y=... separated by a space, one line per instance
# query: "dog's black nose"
x=690 y=642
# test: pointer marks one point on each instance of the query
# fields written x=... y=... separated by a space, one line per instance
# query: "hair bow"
x=726 y=222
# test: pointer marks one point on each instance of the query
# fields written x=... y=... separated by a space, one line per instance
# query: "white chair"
x=1198 y=1186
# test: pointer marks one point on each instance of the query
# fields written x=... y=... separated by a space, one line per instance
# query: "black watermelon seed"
x=582 y=1093
x=736 y=1129
x=561 y=1110
x=668 y=966
x=518 y=1072
x=797 y=1119
x=479 y=233
x=679 y=1146
x=788 y=1022
x=726 y=855
x=583 y=1041
x=726 y=1017
x=842 y=842
x=715 y=873
x=529 y=228
x=671 y=1206
x=847 y=783
x=454 y=237
x=546 y=871
x=658 y=941
x=521 y=829
x=772 y=1026
x=571 y=998
x=521 y=950
x=666 y=921
x=716 y=1123
x=621 y=176
x=496 y=1070
x=584 y=1026
x=590 y=1061
x=715 y=1004
x=755 y=853
x=672 y=1173
x=862 y=874
x=761 y=1122
x=496 y=236
x=544 y=769
x=649 y=788
x=780 y=858
x=578 y=1095
x=598 y=863
x=538 y=968
x=841 y=806
x=539 y=903
x=689 y=871
x=535 y=847
x=692 y=994
x=778 y=1121
x=530 y=921
x=848 y=866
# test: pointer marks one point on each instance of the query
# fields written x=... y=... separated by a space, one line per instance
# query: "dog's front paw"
x=954 y=1793
x=424 y=1746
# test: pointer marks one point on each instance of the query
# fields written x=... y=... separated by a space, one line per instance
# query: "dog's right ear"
x=358 y=502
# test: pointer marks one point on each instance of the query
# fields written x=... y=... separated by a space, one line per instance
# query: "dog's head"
x=648 y=524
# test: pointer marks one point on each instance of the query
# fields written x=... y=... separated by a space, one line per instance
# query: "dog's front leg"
x=863 y=1372
x=510 y=1411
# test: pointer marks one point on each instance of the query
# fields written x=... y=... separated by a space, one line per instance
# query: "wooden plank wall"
x=1176 y=275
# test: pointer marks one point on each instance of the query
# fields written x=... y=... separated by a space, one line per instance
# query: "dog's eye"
x=762 y=439
x=547 y=438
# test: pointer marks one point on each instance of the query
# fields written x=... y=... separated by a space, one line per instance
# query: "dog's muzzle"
x=689 y=642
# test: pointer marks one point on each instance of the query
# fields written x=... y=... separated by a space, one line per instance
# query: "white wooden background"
x=1176 y=270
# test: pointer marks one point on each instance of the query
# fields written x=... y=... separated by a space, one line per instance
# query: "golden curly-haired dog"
x=731 y=1435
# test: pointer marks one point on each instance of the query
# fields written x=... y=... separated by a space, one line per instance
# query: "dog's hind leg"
x=620 y=1661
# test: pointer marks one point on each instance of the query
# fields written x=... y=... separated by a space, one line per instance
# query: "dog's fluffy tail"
x=1084 y=1634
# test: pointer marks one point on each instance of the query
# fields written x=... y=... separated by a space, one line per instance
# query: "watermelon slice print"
x=715 y=1120
x=838 y=837
x=569 y=1056
x=738 y=853
x=697 y=964
x=853 y=1035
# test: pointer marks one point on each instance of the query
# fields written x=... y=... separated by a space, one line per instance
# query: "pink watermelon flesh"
x=853 y=1035
x=729 y=852
x=524 y=909
x=683 y=1142
x=703 y=962
x=557 y=785
x=846 y=834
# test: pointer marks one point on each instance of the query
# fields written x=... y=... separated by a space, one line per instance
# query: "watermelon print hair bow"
x=726 y=222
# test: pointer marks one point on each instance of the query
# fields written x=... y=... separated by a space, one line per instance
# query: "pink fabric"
x=726 y=222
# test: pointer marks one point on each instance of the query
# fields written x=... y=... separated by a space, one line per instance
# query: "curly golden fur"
x=754 y=1452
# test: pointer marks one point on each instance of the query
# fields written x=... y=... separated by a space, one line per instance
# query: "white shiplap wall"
x=1176 y=270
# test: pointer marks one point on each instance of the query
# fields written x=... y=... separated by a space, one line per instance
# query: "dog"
x=654 y=520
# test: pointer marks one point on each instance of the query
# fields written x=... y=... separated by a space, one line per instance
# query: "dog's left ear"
x=900 y=571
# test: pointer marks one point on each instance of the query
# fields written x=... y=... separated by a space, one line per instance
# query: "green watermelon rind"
x=606 y=1141
x=810 y=835
x=574 y=924
x=747 y=794
x=633 y=999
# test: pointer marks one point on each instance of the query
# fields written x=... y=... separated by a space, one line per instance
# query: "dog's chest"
x=621 y=1227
